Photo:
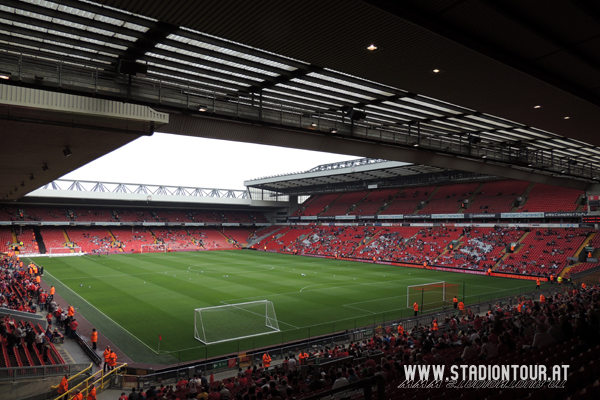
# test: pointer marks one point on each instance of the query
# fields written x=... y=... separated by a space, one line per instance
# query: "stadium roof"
x=496 y=86
x=359 y=174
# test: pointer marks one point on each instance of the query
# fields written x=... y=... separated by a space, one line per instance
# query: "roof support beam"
x=228 y=130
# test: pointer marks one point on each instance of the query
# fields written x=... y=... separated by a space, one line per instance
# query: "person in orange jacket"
x=416 y=308
x=92 y=393
x=64 y=385
x=112 y=360
x=78 y=395
x=106 y=356
x=94 y=338
x=266 y=360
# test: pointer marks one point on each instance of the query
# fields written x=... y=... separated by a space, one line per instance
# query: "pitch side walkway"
x=75 y=352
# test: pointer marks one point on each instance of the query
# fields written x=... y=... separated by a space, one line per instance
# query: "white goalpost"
x=63 y=251
x=431 y=295
x=153 y=248
x=234 y=321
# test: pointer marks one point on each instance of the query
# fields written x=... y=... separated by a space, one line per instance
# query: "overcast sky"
x=188 y=161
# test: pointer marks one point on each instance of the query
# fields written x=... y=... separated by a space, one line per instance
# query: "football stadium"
x=453 y=253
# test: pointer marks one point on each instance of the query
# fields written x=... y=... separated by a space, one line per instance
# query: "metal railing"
x=40 y=372
x=99 y=380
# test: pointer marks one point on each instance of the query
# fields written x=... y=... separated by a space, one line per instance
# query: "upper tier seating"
x=551 y=198
x=342 y=204
x=407 y=201
x=497 y=196
x=317 y=204
x=374 y=201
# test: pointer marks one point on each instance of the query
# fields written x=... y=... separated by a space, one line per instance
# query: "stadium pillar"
x=293 y=204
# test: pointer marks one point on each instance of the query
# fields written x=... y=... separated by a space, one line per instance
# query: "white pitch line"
x=106 y=316
x=357 y=308
x=119 y=276
x=327 y=288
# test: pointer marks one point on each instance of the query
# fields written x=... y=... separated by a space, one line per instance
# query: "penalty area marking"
x=105 y=316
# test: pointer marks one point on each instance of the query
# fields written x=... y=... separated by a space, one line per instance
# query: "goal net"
x=234 y=321
x=430 y=296
x=153 y=248
x=61 y=251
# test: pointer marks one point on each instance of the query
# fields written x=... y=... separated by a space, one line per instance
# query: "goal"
x=234 y=321
x=62 y=251
x=430 y=296
x=153 y=248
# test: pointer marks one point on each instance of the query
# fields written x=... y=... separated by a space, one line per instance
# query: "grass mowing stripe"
x=334 y=295
x=105 y=316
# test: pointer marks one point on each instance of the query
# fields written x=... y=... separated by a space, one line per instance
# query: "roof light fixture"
x=67 y=151
x=5 y=75
x=45 y=167
x=202 y=109
x=436 y=71
x=31 y=177
x=314 y=124
x=567 y=117
x=538 y=106
x=372 y=47
x=333 y=130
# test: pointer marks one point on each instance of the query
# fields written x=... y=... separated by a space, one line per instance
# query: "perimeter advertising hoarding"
x=447 y=216
x=564 y=214
x=391 y=216
x=418 y=216
x=482 y=215
x=523 y=215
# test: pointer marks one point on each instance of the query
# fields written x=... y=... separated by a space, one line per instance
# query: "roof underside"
x=497 y=61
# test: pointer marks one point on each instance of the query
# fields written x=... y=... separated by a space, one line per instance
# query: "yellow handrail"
x=76 y=375
x=98 y=380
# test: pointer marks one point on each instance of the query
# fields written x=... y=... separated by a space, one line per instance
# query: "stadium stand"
x=27 y=237
x=91 y=215
x=318 y=204
x=6 y=239
x=480 y=248
x=211 y=238
x=551 y=198
x=343 y=204
x=544 y=251
x=54 y=238
x=497 y=196
x=374 y=201
x=406 y=202
x=130 y=240
x=90 y=240
x=133 y=215
x=45 y=214
x=449 y=198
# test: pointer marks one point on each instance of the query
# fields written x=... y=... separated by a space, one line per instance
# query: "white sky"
x=178 y=160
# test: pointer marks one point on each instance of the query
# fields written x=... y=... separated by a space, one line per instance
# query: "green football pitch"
x=132 y=299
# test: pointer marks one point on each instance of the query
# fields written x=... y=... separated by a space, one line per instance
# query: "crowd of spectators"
x=563 y=328
x=530 y=251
